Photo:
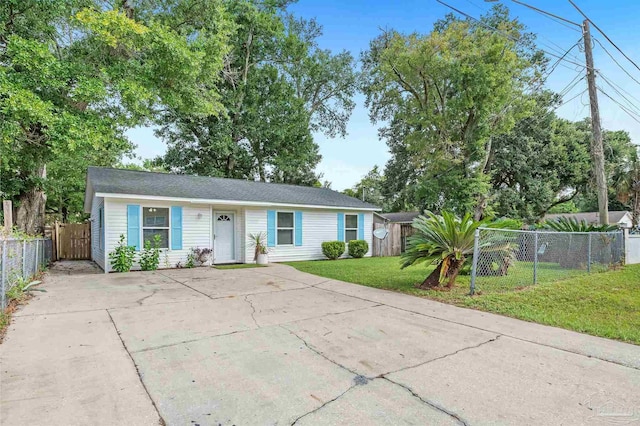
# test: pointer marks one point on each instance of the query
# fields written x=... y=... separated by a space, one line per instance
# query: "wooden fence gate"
x=396 y=239
x=71 y=241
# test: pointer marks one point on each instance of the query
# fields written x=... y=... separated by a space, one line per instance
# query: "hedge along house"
x=217 y=213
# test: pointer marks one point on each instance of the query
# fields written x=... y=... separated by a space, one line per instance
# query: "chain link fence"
x=507 y=260
x=21 y=260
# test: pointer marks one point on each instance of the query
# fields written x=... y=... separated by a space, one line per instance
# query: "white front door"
x=224 y=237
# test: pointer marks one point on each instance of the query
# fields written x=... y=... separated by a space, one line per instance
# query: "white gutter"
x=228 y=202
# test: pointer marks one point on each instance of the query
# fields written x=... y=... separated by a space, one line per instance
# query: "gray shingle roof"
x=122 y=181
x=589 y=217
x=401 y=217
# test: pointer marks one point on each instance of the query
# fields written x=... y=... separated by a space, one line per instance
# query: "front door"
x=224 y=238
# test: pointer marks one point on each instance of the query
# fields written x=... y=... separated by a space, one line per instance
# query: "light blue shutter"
x=340 y=226
x=298 y=227
x=176 y=228
x=361 y=226
x=133 y=226
x=271 y=228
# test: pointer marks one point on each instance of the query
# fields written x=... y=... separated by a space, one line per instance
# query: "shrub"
x=200 y=255
x=191 y=261
x=358 y=248
x=150 y=255
x=333 y=249
x=121 y=258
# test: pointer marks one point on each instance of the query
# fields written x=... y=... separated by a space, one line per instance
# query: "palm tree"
x=447 y=241
x=628 y=189
x=571 y=224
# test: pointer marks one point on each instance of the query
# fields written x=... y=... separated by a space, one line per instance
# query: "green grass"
x=604 y=304
x=239 y=266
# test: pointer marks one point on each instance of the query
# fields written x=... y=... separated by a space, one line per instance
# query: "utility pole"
x=597 y=150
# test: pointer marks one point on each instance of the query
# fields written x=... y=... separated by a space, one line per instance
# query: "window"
x=285 y=228
x=350 y=227
x=101 y=226
x=155 y=221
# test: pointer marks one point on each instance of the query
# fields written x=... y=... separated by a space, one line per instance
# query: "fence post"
x=474 y=264
x=535 y=257
x=3 y=275
x=24 y=259
x=36 y=260
x=589 y=255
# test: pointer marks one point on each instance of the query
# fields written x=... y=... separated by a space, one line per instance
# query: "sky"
x=352 y=24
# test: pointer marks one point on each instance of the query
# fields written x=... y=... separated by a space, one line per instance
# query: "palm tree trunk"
x=433 y=280
x=454 y=270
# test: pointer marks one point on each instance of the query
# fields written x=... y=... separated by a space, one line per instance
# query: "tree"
x=369 y=188
x=445 y=95
x=77 y=73
x=541 y=163
x=447 y=241
x=278 y=88
x=627 y=185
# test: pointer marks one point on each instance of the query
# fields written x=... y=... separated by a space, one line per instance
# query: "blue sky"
x=351 y=24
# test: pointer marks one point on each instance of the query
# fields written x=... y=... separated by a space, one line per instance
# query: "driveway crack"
x=312 y=349
x=383 y=375
x=431 y=404
x=160 y=419
x=188 y=286
x=153 y=292
x=253 y=310
x=324 y=404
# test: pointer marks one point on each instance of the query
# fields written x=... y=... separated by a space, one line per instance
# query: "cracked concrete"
x=278 y=346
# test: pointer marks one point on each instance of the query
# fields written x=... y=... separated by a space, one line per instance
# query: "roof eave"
x=230 y=202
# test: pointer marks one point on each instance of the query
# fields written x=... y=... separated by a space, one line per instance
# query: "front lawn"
x=239 y=266
x=604 y=304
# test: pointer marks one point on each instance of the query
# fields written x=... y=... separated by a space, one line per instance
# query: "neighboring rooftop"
x=589 y=217
x=134 y=182
x=400 y=217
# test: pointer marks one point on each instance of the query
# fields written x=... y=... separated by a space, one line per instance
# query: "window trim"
x=350 y=229
x=292 y=229
x=101 y=227
x=142 y=227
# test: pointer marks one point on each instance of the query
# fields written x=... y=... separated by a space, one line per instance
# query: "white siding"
x=317 y=226
x=97 y=254
x=196 y=231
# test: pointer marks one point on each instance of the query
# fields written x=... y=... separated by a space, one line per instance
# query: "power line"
x=613 y=83
x=509 y=36
x=565 y=102
x=616 y=62
x=550 y=15
x=605 y=35
x=554 y=66
x=573 y=83
x=629 y=113
x=630 y=104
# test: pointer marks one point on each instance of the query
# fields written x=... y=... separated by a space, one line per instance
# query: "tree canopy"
x=76 y=74
x=278 y=88
x=444 y=96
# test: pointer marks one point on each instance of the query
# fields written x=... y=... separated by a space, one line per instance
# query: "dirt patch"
x=74 y=267
x=5 y=317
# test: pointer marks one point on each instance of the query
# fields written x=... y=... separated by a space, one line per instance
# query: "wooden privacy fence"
x=396 y=240
x=71 y=241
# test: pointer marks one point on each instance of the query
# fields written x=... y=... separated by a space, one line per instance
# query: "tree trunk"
x=454 y=270
x=30 y=215
x=433 y=280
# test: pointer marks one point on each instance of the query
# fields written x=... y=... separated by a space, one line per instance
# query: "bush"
x=121 y=258
x=333 y=249
x=150 y=255
x=358 y=248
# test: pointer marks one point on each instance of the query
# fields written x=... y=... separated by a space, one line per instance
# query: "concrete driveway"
x=274 y=346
